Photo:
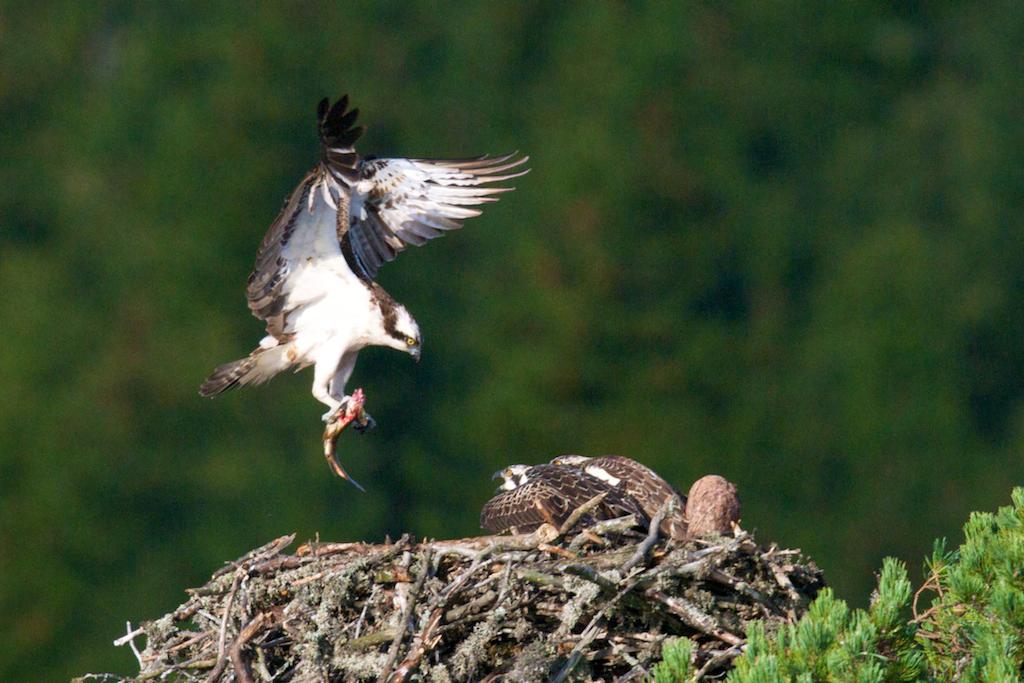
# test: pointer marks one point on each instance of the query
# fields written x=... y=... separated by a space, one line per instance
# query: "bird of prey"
x=531 y=495
x=638 y=481
x=313 y=281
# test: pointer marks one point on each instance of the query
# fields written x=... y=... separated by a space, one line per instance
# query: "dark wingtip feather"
x=349 y=118
x=340 y=106
x=335 y=123
x=348 y=138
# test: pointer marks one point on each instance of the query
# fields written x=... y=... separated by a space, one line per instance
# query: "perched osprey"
x=313 y=280
x=532 y=495
x=638 y=481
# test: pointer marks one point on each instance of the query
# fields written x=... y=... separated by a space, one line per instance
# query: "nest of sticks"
x=573 y=604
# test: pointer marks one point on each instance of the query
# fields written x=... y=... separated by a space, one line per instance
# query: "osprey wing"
x=395 y=203
x=402 y=202
x=639 y=480
x=645 y=486
x=551 y=494
x=525 y=508
x=351 y=214
x=299 y=260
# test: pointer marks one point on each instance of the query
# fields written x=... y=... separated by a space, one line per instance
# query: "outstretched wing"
x=299 y=260
x=394 y=203
x=402 y=202
x=350 y=214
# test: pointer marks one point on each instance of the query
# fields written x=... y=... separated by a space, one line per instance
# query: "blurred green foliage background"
x=777 y=241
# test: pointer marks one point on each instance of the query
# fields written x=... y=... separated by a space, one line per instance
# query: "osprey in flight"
x=313 y=282
x=534 y=494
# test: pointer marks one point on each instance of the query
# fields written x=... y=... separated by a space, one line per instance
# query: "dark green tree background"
x=781 y=242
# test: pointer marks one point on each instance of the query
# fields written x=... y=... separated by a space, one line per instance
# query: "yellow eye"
x=410 y=341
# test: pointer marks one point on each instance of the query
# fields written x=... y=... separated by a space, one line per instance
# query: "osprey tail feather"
x=256 y=368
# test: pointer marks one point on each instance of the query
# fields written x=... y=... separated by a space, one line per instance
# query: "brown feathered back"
x=551 y=493
x=639 y=482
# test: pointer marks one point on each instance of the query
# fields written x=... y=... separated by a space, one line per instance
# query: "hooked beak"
x=415 y=353
x=500 y=474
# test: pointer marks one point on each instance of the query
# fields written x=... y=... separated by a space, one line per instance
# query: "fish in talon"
x=353 y=412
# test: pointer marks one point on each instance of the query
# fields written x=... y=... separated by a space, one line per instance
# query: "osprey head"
x=403 y=332
x=512 y=477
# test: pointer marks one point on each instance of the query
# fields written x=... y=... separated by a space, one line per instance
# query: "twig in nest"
x=539 y=578
x=457 y=585
x=457 y=613
x=579 y=512
x=324 y=549
x=590 y=574
x=262 y=553
x=222 y=661
x=129 y=638
x=586 y=638
x=362 y=615
x=407 y=613
x=596 y=532
x=425 y=642
x=694 y=617
x=744 y=588
x=652 y=537
x=591 y=631
x=275 y=564
x=555 y=550
x=783 y=580
x=242 y=673
x=190 y=641
x=506 y=577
